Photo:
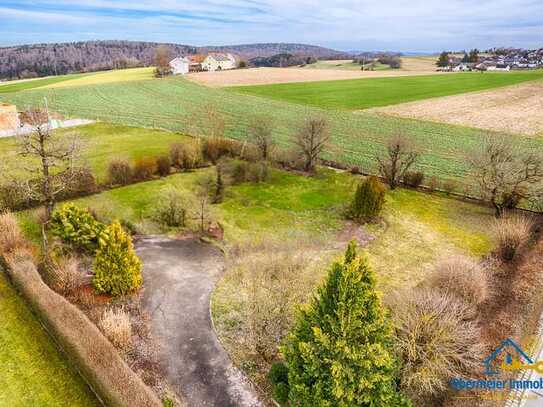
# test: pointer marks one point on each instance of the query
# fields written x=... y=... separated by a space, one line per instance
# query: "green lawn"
x=32 y=371
x=170 y=104
x=102 y=142
x=356 y=94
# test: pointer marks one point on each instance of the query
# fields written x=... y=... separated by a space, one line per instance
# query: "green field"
x=356 y=94
x=17 y=86
x=170 y=104
x=32 y=371
x=103 y=141
x=344 y=64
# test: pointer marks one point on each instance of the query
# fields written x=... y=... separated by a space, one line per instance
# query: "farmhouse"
x=219 y=62
x=180 y=65
x=9 y=119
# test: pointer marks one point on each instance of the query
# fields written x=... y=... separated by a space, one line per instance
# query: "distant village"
x=493 y=60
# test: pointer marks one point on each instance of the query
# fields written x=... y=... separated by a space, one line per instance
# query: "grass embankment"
x=101 y=142
x=33 y=372
x=170 y=104
x=359 y=94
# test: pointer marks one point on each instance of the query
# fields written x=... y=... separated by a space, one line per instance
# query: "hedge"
x=93 y=355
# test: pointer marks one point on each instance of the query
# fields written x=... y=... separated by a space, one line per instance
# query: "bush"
x=433 y=183
x=413 y=179
x=144 y=168
x=278 y=376
x=436 y=342
x=11 y=236
x=76 y=227
x=83 y=183
x=216 y=147
x=163 y=165
x=65 y=275
x=173 y=207
x=186 y=156
x=13 y=196
x=450 y=186
x=512 y=232
x=463 y=278
x=119 y=172
x=355 y=170
x=117 y=269
x=117 y=327
x=242 y=171
x=343 y=334
x=368 y=200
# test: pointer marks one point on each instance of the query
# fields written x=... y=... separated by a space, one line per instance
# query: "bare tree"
x=52 y=160
x=162 y=60
x=312 y=139
x=205 y=188
x=505 y=172
x=206 y=121
x=400 y=155
x=260 y=132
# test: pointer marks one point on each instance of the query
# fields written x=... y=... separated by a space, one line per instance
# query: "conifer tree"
x=368 y=200
x=339 y=353
x=117 y=269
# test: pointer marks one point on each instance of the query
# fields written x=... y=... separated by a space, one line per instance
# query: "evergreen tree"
x=339 y=353
x=465 y=59
x=443 y=60
x=117 y=269
x=368 y=200
x=474 y=55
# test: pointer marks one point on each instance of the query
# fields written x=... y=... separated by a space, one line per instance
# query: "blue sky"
x=403 y=25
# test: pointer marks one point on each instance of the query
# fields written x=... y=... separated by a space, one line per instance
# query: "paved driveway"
x=179 y=278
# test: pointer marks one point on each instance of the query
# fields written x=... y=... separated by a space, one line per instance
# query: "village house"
x=180 y=65
x=219 y=62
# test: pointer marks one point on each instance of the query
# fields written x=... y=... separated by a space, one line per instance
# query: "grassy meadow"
x=357 y=94
x=33 y=372
x=171 y=103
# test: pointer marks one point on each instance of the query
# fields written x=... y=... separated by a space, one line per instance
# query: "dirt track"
x=264 y=76
x=514 y=109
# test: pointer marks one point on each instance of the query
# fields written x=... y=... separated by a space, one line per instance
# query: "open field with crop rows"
x=170 y=104
x=362 y=94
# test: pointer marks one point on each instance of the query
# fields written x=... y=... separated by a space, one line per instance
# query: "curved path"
x=179 y=278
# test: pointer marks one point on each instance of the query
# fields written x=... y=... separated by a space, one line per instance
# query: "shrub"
x=216 y=147
x=433 y=183
x=436 y=342
x=355 y=170
x=242 y=171
x=368 y=200
x=13 y=196
x=11 y=236
x=173 y=207
x=163 y=165
x=65 y=275
x=278 y=376
x=119 y=172
x=76 y=227
x=450 y=186
x=83 y=183
x=117 y=269
x=144 y=168
x=117 y=327
x=186 y=156
x=413 y=179
x=463 y=278
x=512 y=232
x=340 y=352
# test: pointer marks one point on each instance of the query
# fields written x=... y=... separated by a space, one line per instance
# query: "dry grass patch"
x=513 y=109
x=115 y=323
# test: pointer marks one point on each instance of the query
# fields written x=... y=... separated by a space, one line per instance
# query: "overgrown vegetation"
x=368 y=200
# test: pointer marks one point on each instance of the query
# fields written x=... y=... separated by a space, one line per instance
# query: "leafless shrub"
x=450 y=186
x=163 y=165
x=144 y=168
x=186 y=155
x=11 y=236
x=65 y=275
x=463 y=278
x=435 y=340
x=116 y=325
x=512 y=232
x=400 y=156
x=119 y=171
x=312 y=138
x=505 y=172
x=260 y=133
x=174 y=207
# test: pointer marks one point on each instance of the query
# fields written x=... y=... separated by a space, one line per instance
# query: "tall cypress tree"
x=339 y=353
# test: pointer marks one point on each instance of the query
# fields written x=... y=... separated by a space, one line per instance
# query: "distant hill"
x=28 y=61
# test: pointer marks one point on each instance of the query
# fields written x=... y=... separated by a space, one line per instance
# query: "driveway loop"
x=179 y=278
